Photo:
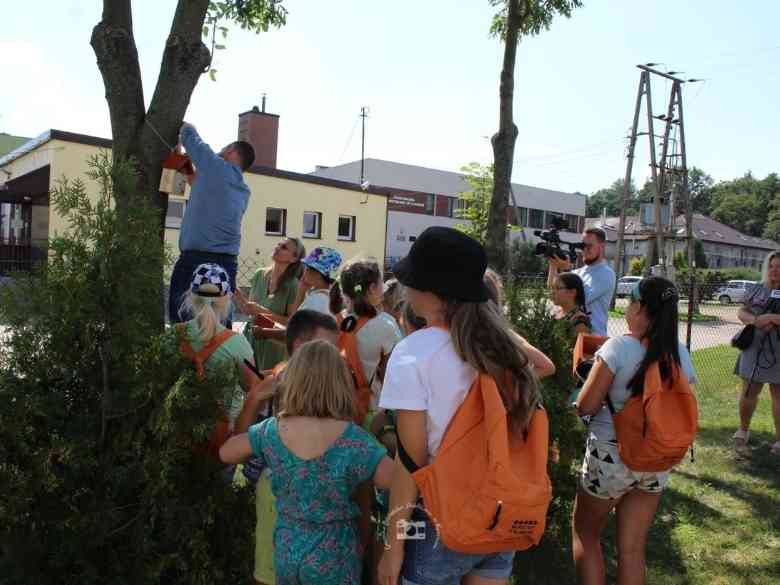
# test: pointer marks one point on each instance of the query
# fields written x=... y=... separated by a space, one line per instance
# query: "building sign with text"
x=411 y=202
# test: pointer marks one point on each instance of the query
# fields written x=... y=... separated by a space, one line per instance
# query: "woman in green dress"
x=273 y=295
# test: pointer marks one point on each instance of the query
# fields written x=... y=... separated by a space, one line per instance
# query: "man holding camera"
x=597 y=276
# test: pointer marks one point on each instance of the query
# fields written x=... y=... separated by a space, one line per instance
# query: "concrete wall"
x=402 y=226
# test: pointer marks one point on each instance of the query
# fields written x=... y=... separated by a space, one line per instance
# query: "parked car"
x=625 y=285
x=733 y=292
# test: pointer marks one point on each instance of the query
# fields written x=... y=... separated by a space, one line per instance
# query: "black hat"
x=446 y=262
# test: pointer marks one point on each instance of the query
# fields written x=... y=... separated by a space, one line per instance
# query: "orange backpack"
x=347 y=343
x=221 y=432
x=487 y=489
x=655 y=429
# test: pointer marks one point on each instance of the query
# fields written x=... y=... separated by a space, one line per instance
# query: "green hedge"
x=101 y=423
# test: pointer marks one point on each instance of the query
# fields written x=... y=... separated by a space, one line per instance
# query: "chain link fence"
x=708 y=335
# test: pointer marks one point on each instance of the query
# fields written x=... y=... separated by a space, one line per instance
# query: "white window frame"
x=352 y=221
x=283 y=221
x=317 y=234
x=174 y=222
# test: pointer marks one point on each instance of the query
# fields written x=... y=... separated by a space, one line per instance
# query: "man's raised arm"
x=200 y=152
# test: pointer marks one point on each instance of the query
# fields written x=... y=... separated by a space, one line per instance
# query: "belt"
x=208 y=255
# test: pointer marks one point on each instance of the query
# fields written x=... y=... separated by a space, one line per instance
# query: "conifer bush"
x=102 y=470
x=551 y=561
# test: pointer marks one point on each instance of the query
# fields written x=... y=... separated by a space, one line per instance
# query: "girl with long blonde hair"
x=318 y=457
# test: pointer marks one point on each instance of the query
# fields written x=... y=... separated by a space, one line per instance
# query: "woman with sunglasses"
x=273 y=295
x=568 y=293
x=605 y=483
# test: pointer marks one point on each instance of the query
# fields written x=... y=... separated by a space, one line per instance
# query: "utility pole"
x=660 y=172
x=364 y=115
x=644 y=86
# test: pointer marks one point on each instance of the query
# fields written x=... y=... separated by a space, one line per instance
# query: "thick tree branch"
x=117 y=58
x=184 y=59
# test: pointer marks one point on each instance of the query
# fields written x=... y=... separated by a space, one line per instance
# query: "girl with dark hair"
x=569 y=294
x=359 y=293
x=428 y=377
x=273 y=295
x=605 y=482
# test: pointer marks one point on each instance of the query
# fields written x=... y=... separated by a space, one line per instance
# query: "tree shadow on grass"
x=664 y=556
x=760 y=464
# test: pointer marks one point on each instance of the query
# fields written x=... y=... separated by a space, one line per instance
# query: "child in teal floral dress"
x=317 y=457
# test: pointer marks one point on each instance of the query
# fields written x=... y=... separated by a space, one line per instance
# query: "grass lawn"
x=719 y=521
x=697 y=317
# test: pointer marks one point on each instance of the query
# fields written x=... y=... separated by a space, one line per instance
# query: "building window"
x=347 y=228
x=523 y=215
x=275 y=221
x=450 y=211
x=312 y=224
x=175 y=213
x=536 y=218
x=460 y=206
x=574 y=222
x=430 y=203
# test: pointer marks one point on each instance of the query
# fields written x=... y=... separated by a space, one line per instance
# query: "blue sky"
x=429 y=74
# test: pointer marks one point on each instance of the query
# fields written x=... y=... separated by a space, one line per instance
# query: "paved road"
x=703 y=334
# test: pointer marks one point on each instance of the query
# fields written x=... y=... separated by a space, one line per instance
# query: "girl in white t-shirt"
x=429 y=374
x=605 y=482
x=358 y=293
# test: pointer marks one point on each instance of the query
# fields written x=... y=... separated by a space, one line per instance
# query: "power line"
x=349 y=139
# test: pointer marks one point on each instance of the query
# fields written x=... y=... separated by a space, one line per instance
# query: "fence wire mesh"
x=714 y=322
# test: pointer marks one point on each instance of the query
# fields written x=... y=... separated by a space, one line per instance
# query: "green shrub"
x=523 y=260
x=551 y=561
x=101 y=423
x=637 y=266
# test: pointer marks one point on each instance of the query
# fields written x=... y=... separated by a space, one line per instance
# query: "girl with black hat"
x=428 y=377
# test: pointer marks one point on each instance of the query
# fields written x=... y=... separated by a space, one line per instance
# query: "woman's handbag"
x=744 y=338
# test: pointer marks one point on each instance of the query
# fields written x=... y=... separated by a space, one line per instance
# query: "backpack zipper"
x=495 y=518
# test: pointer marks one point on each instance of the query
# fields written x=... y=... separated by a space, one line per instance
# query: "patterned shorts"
x=604 y=475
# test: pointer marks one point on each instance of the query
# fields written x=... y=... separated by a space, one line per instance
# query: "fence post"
x=692 y=302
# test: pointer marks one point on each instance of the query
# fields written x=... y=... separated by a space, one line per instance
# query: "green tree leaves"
x=474 y=205
x=534 y=15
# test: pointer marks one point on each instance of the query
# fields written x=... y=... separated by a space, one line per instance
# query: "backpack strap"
x=404 y=456
x=348 y=345
x=199 y=358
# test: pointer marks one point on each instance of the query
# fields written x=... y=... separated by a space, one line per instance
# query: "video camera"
x=551 y=247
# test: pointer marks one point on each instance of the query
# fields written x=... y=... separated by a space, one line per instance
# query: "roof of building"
x=705 y=229
x=426 y=180
x=9 y=142
x=33 y=143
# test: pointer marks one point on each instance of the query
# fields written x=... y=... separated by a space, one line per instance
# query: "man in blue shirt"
x=597 y=276
x=211 y=227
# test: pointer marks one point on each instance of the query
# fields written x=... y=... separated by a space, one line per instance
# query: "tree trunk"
x=503 y=143
x=132 y=128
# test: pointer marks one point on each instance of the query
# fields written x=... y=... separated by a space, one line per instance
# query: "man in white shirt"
x=597 y=276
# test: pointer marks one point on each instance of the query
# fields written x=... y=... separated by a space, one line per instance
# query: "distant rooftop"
x=704 y=228
x=9 y=143
x=426 y=180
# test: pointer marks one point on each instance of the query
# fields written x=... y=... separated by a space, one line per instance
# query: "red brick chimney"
x=261 y=130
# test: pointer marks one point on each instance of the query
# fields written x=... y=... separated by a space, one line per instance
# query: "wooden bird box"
x=177 y=169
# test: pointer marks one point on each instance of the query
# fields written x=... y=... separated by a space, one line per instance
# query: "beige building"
x=323 y=212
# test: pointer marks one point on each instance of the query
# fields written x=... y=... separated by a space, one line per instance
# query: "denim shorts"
x=428 y=562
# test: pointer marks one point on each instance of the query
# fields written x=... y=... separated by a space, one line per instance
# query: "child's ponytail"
x=208 y=313
x=336 y=304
